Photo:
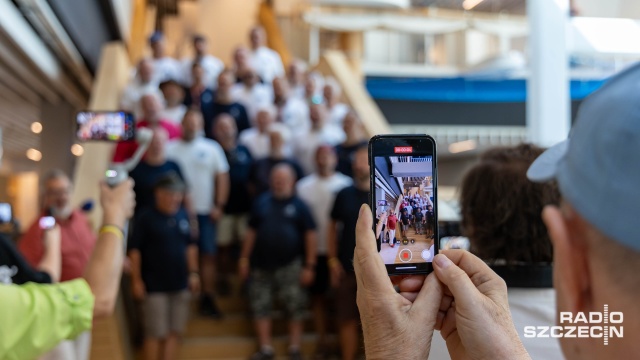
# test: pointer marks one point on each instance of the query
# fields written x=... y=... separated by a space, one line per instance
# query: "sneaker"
x=262 y=355
x=295 y=355
x=209 y=308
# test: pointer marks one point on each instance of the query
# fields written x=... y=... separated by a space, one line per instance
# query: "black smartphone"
x=105 y=126
x=6 y=214
x=403 y=199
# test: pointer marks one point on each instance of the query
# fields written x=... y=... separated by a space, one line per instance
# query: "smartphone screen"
x=5 y=213
x=404 y=201
x=47 y=222
x=105 y=126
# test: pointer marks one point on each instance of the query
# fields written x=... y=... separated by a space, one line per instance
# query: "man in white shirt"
x=292 y=111
x=320 y=132
x=319 y=191
x=143 y=84
x=211 y=65
x=164 y=67
x=174 y=102
x=295 y=76
x=256 y=139
x=337 y=110
x=251 y=93
x=267 y=62
x=206 y=172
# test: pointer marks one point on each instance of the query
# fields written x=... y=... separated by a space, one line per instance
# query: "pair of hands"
x=140 y=291
x=463 y=298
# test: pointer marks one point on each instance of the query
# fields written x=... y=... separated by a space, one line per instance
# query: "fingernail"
x=442 y=261
x=362 y=209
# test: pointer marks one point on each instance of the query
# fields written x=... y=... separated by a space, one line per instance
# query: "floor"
x=412 y=252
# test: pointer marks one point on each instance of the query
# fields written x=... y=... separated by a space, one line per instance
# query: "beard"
x=62 y=213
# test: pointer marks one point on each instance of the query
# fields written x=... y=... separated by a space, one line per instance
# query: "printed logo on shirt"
x=184 y=226
x=6 y=273
x=290 y=210
x=594 y=324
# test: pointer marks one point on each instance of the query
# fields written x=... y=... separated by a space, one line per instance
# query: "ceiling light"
x=470 y=4
x=36 y=127
x=77 y=149
x=33 y=154
x=462 y=146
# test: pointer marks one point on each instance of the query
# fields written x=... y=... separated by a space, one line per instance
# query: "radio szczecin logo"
x=603 y=325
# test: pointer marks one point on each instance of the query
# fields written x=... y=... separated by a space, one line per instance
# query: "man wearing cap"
x=164 y=267
x=596 y=254
x=164 y=66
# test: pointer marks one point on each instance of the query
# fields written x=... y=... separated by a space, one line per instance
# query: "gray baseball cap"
x=598 y=166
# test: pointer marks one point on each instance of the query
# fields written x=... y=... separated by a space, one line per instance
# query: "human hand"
x=243 y=269
x=306 y=277
x=216 y=214
x=389 y=318
x=336 y=272
x=117 y=202
x=52 y=238
x=138 y=289
x=478 y=323
x=194 y=283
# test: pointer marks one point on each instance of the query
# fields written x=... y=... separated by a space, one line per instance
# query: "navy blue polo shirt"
x=281 y=226
x=162 y=241
x=240 y=163
x=145 y=177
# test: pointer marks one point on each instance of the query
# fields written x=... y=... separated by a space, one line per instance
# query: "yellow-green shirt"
x=34 y=318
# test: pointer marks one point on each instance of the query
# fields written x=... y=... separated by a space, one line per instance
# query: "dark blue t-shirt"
x=145 y=177
x=162 y=241
x=205 y=101
x=240 y=162
x=261 y=172
x=281 y=226
x=236 y=110
x=346 y=209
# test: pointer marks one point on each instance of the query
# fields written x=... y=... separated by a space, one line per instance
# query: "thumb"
x=455 y=279
x=427 y=304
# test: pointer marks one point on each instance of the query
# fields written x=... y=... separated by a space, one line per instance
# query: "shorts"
x=285 y=283
x=346 y=306
x=320 y=284
x=165 y=313
x=231 y=228
x=206 y=235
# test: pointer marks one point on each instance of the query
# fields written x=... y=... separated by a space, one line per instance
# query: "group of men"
x=246 y=155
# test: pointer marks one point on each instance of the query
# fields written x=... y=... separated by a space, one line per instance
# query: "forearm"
x=192 y=258
x=311 y=247
x=134 y=258
x=332 y=240
x=51 y=260
x=247 y=245
x=223 y=185
x=103 y=271
x=190 y=208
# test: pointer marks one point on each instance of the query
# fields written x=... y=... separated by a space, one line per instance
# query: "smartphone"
x=403 y=199
x=6 y=214
x=105 y=126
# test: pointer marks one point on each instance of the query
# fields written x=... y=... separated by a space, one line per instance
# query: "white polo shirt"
x=267 y=64
x=200 y=160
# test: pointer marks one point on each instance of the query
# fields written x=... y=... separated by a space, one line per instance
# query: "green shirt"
x=34 y=318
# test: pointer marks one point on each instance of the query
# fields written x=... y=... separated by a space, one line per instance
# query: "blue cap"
x=598 y=167
x=155 y=37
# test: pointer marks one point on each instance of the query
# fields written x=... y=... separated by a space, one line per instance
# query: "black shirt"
x=236 y=110
x=345 y=211
x=205 y=102
x=162 y=241
x=240 y=162
x=145 y=177
x=405 y=217
x=261 y=172
x=19 y=271
x=281 y=226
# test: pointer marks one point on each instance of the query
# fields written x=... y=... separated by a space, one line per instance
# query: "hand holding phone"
x=403 y=182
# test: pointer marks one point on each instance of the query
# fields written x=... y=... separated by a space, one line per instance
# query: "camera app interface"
x=404 y=200
x=103 y=126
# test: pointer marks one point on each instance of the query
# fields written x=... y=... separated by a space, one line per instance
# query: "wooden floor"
x=406 y=254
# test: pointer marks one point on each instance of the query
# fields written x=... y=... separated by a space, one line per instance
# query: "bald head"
x=225 y=129
x=257 y=37
x=283 y=179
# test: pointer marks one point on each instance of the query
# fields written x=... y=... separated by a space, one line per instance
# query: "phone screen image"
x=5 y=213
x=47 y=222
x=405 y=212
x=105 y=126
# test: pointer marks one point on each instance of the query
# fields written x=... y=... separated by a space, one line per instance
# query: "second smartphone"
x=403 y=199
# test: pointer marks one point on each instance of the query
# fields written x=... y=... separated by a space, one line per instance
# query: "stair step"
x=234 y=324
x=237 y=347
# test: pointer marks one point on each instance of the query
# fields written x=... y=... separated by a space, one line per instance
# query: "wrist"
x=114 y=218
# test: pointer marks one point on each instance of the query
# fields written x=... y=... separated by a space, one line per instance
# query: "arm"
x=192 y=265
x=308 y=273
x=103 y=271
x=51 y=259
x=245 y=253
x=221 y=195
x=335 y=267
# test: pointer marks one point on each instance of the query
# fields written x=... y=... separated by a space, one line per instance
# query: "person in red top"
x=77 y=241
x=151 y=111
x=392 y=220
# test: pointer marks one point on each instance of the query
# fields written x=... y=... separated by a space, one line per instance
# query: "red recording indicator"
x=403 y=149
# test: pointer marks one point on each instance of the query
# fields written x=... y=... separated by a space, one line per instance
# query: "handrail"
x=275 y=40
x=335 y=63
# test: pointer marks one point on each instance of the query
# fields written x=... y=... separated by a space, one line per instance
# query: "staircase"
x=233 y=337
